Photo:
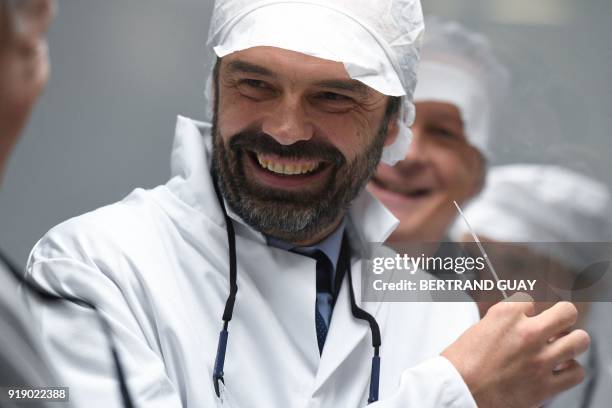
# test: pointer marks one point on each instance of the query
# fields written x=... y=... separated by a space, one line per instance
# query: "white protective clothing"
x=156 y=264
x=458 y=67
x=535 y=204
x=377 y=42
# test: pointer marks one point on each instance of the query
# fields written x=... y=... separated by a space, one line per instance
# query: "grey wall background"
x=123 y=70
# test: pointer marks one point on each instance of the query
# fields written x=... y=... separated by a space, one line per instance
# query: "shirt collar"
x=330 y=246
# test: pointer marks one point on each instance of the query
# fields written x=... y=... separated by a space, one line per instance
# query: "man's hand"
x=511 y=359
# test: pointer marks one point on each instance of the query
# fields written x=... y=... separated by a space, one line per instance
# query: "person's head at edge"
x=460 y=83
x=296 y=137
x=24 y=65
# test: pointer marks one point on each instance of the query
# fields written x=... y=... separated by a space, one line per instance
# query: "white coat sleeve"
x=434 y=383
x=72 y=336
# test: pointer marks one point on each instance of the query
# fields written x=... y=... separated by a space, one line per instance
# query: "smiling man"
x=460 y=90
x=237 y=283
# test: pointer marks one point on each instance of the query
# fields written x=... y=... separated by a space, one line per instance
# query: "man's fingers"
x=568 y=347
x=573 y=375
x=555 y=320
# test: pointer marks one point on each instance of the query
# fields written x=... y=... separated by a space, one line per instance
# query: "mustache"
x=262 y=143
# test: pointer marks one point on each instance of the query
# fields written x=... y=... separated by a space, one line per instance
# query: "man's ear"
x=392 y=131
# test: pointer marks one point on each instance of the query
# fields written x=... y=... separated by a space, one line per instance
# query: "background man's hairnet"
x=458 y=66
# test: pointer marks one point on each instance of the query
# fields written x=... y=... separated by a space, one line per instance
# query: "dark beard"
x=290 y=216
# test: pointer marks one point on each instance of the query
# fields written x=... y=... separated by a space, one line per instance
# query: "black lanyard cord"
x=361 y=314
x=231 y=298
x=231 y=240
x=357 y=312
x=106 y=329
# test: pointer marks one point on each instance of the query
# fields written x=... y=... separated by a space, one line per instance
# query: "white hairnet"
x=377 y=41
x=459 y=67
x=541 y=204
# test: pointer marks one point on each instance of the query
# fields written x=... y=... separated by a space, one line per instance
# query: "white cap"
x=459 y=67
x=541 y=204
x=377 y=41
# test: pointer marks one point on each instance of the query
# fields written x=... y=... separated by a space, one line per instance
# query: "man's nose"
x=288 y=123
x=418 y=150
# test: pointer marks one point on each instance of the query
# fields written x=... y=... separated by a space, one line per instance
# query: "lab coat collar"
x=369 y=220
x=191 y=180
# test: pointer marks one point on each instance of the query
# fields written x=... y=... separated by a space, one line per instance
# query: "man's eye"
x=255 y=83
x=333 y=102
x=255 y=89
x=332 y=96
x=438 y=131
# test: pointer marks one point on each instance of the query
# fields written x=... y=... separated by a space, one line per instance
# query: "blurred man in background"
x=460 y=85
x=24 y=69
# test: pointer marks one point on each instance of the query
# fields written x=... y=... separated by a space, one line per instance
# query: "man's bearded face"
x=291 y=156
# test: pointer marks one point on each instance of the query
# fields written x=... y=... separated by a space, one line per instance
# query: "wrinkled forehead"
x=292 y=67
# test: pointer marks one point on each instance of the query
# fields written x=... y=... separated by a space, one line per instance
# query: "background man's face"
x=441 y=166
x=295 y=139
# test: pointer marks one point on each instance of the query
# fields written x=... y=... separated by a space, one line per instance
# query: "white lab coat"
x=156 y=264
